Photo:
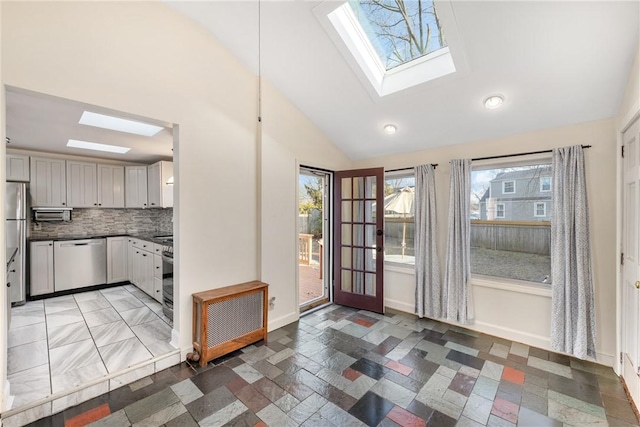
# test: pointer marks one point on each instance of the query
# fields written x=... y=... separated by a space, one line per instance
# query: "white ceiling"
x=556 y=63
x=45 y=123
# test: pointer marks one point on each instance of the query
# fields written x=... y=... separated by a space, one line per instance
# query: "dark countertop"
x=149 y=237
x=11 y=253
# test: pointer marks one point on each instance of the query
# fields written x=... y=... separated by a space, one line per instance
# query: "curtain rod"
x=435 y=165
x=518 y=154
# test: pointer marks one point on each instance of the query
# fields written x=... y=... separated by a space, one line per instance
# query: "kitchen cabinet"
x=157 y=278
x=111 y=186
x=48 y=185
x=135 y=186
x=160 y=193
x=117 y=259
x=142 y=263
x=81 y=184
x=17 y=168
x=41 y=267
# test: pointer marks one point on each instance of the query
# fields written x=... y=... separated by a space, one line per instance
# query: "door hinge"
x=621 y=358
x=623 y=151
x=621 y=258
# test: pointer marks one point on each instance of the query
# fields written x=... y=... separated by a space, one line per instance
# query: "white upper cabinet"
x=110 y=186
x=48 y=186
x=135 y=186
x=17 y=168
x=160 y=192
x=81 y=184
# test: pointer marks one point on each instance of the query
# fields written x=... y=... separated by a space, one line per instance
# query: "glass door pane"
x=360 y=239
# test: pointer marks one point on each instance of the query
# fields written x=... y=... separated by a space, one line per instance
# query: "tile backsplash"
x=107 y=221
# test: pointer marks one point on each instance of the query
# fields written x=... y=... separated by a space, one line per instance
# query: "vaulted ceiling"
x=556 y=63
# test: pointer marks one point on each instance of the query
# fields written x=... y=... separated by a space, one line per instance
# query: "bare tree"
x=405 y=29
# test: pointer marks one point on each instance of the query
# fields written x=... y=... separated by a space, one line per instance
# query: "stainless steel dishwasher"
x=79 y=263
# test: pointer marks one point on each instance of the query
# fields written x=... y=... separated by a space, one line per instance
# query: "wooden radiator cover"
x=229 y=318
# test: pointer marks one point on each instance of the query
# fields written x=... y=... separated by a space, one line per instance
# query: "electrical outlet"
x=272 y=303
x=37 y=226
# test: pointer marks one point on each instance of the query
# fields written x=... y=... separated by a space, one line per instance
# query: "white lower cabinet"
x=157 y=278
x=41 y=260
x=117 y=259
x=143 y=266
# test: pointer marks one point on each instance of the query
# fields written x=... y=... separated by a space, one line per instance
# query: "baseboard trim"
x=8 y=398
x=281 y=321
x=534 y=340
x=399 y=305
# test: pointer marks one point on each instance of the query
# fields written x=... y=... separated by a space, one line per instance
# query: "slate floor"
x=344 y=367
x=58 y=343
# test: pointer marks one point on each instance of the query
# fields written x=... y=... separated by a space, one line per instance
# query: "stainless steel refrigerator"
x=16 y=236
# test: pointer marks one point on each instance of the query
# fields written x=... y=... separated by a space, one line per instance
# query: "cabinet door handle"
x=144 y=254
x=157 y=267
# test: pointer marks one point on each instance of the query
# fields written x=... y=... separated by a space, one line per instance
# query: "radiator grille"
x=234 y=317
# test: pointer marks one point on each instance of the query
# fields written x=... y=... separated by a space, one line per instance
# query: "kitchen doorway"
x=72 y=337
x=314 y=237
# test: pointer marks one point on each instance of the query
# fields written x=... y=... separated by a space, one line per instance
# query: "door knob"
x=379 y=249
x=638 y=284
x=379 y=232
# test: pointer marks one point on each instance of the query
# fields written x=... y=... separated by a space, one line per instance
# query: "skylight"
x=116 y=123
x=393 y=45
x=73 y=143
x=400 y=31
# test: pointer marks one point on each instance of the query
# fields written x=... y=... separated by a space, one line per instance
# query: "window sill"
x=518 y=286
x=400 y=268
x=512 y=285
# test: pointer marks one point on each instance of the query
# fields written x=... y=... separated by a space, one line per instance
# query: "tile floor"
x=343 y=367
x=59 y=343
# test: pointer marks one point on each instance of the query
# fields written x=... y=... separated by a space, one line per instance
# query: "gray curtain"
x=427 y=263
x=457 y=290
x=572 y=301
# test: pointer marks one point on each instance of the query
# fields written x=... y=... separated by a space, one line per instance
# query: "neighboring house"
x=523 y=195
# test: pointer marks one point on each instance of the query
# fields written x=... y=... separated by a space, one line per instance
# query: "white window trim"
x=509 y=192
x=343 y=27
x=543 y=190
x=535 y=209
x=510 y=285
x=399 y=266
x=504 y=210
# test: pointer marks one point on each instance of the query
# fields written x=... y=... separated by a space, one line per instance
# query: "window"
x=396 y=44
x=509 y=187
x=399 y=212
x=400 y=31
x=545 y=184
x=511 y=237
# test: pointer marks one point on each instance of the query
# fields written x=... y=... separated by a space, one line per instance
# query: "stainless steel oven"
x=167 y=281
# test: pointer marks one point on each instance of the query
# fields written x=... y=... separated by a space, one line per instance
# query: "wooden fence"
x=513 y=236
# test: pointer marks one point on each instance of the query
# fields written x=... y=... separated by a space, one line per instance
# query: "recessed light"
x=97 y=147
x=493 y=102
x=116 y=123
x=390 y=129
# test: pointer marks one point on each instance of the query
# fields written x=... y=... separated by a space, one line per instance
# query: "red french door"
x=359 y=239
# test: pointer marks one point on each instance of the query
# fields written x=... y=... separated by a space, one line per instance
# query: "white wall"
x=144 y=58
x=526 y=316
x=4 y=388
x=631 y=100
x=286 y=145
